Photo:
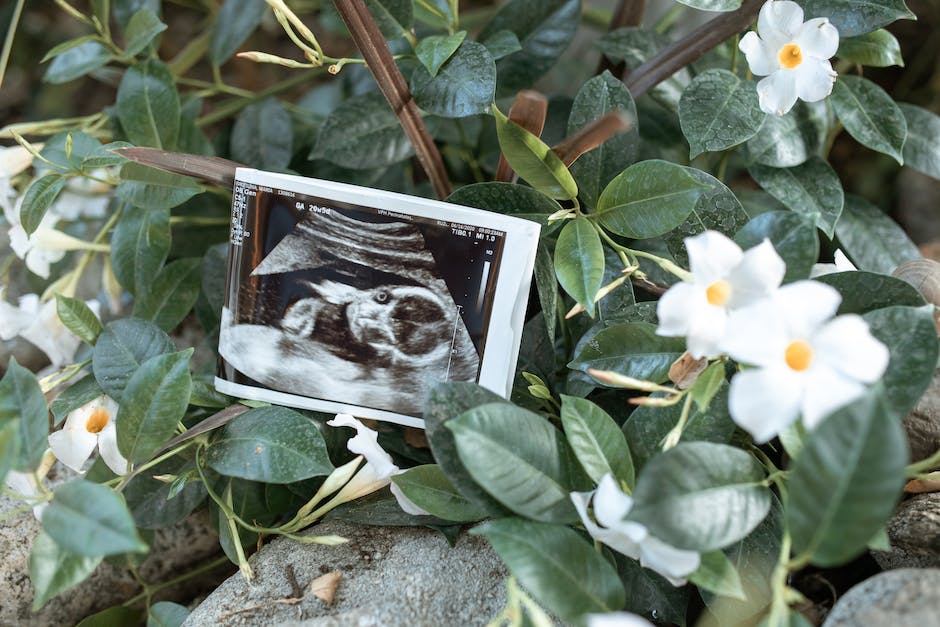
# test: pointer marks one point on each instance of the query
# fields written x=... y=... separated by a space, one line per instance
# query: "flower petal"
x=611 y=504
x=712 y=255
x=826 y=391
x=761 y=60
x=765 y=400
x=677 y=307
x=406 y=504
x=707 y=330
x=617 y=619
x=672 y=563
x=760 y=272
x=847 y=345
x=814 y=79
x=777 y=92
x=757 y=334
x=805 y=305
x=13 y=320
x=72 y=447
x=780 y=19
x=108 y=449
x=818 y=38
x=366 y=443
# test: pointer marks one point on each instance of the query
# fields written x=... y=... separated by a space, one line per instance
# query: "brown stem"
x=528 y=111
x=212 y=169
x=629 y=13
x=367 y=37
x=591 y=136
x=690 y=48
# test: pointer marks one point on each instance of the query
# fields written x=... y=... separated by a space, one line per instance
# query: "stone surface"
x=914 y=532
x=900 y=598
x=174 y=551
x=923 y=424
x=391 y=576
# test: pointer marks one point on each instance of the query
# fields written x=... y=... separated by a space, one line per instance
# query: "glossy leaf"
x=870 y=115
x=650 y=595
x=546 y=285
x=596 y=440
x=632 y=349
x=792 y=235
x=811 y=188
x=846 y=482
x=153 y=402
x=141 y=30
x=90 y=520
x=121 y=348
x=148 y=188
x=38 y=198
x=156 y=504
x=57 y=155
x=117 y=616
x=362 y=134
x=22 y=403
x=79 y=393
x=139 y=246
x=263 y=136
x=579 y=261
x=784 y=141
x=433 y=51
x=53 y=570
x=507 y=198
x=561 y=569
x=148 y=105
x=856 y=17
x=878 y=48
x=171 y=295
x=78 y=318
x=716 y=505
x=648 y=199
x=717 y=575
x=533 y=160
x=78 y=61
x=428 y=487
x=707 y=385
x=167 y=614
x=463 y=85
x=394 y=17
x=520 y=459
x=866 y=291
x=922 y=147
x=502 y=44
x=236 y=20
x=718 y=110
x=871 y=239
x=270 y=444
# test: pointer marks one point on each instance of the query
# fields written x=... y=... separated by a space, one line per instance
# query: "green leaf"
x=648 y=199
x=594 y=170
x=866 y=291
x=53 y=570
x=148 y=105
x=91 y=520
x=911 y=337
x=67 y=45
x=123 y=10
x=701 y=496
x=102 y=157
x=784 y=141
x=236 y=20
x=80 y=393
x=22 y=402
x=707 y=385
x=718 y=575
x=435 y=50
x=878 y=49
x=78 y=61
x=547 y=286
x=428 y=487
x=544 y=29
x=142 y=28
x=857 y=17
x=154 y=400
x=9 y=432
x=148 y=188
x=871 y=239
x=364 y=133
x=463 y=86
x=121 y=348
x=846 y=482
x=270 y=444
x=579 y=262
x=718 y=110
x=139 y=246
x=922 y=148
x=167 y=614
x=394 y=17
x=649 y=594
x=632 y=349
x=811 y=188
x=445 y=402
x=533 y=160
x=78 y=318
x=171 y=295
x=561 y=570
x=506 y=198
x=596 y=440
x=520 y=459
x=262 y=136
x=502 y=44
x=38 y=198
x=792 y=235
x=713 y=5
x=117 y=616
x=870 y=115
x=155 y=504
x=56 y=152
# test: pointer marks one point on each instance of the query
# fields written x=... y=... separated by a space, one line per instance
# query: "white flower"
x=723 y=279
x=379 y=468
x=611 y=506
x=25 y=485
x=85 y=428
x=13 y=160
x=83 y=197
x=40 y=325
x=617 y=619
x=39 y=250
x=793 y=55
x=841 y=264
x=805 y=361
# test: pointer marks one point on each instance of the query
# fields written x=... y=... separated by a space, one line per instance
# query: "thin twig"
x=368 y=38
x=629 y=13
x=693 y=46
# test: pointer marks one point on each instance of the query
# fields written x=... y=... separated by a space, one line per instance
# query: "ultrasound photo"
x=354 y=304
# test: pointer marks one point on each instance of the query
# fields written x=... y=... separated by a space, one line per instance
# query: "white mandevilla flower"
x=793 y=56
x=617 y=619
x=379 y=468
x=611 y=506
x=89 y=426
x=723 y=279
x=805 y=361
x=841 y=263
x=39 y=324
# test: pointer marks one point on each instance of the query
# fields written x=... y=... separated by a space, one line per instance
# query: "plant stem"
x=153 y=589
x=234 y=106
x=675 y=434
x=924 y=465
x=8 y=42
x=153 y=462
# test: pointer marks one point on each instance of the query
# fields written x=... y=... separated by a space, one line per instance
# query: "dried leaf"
x=324 y=586
x=685 y=370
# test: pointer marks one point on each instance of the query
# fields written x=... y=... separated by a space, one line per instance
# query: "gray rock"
x=923 y=424
x=391 y=576
x=900 y=598
x=914 y=532
x=174 y=551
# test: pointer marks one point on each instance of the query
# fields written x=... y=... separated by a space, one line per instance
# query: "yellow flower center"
x=97 y=421
x=718 y=293
x=790 y=56
x=799 y=355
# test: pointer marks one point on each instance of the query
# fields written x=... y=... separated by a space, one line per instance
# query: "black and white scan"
x=353 y=304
